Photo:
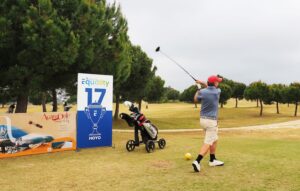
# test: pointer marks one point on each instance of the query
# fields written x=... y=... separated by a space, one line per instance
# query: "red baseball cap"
x=213 y=79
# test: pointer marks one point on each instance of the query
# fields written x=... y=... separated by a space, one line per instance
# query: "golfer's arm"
x=203 y=84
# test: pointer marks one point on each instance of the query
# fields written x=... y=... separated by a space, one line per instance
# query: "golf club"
x=158 y=50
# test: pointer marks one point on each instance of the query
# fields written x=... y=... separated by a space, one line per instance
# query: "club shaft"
x=178 y=65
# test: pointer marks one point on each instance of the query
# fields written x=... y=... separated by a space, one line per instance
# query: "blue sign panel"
x=94 y=115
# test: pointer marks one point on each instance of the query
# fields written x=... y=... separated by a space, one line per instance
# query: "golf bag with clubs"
x=148 y=131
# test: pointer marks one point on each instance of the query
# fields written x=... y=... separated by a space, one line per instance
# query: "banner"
x=94 y=105
x=36 y=133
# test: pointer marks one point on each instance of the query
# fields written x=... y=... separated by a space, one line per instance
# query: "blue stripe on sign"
x=85 y=129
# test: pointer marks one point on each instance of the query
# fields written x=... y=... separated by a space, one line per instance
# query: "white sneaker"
x=216 y=163
x=196 y=166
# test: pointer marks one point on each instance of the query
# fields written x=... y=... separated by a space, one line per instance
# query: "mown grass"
x=186 y=116
x=183 y=115
x=257 y=160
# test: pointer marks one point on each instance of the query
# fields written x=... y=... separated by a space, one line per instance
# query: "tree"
x=171 y=93
x=137 y=84
x=276 y=94
x=285 y=96
x=117 y=58
x=237 y=89
x=238 y=92
x=226 y=93
x=104 y=43
x=5 y=96
x=35 y=97
x=188 y=94
x=155 y=90
x=292 y=94
x=72 y=99
x=41 y=45
x=13 y=71
x=54 y=45
x=257 y=91
x=44 y=44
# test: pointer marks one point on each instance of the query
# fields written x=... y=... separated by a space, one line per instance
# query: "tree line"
x=258 y=91
x=45 y=43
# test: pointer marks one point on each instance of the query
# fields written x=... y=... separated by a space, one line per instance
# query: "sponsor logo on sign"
x=91 y=82
x=59 y=117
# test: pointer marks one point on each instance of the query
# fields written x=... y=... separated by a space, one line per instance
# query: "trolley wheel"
x=130 y=145
x=150 y=146
x=162 y=143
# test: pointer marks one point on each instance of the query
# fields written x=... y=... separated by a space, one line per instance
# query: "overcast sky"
x=244 y=40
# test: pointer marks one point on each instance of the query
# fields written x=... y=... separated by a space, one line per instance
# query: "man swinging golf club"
x=209 y=98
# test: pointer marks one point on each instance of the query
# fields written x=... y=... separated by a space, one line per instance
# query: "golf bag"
x=140 y=123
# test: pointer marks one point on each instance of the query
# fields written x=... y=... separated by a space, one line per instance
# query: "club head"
x=157 y=49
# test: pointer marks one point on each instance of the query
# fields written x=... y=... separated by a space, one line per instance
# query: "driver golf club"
x=158 y=50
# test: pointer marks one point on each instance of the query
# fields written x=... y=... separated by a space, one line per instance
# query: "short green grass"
x=257 y=160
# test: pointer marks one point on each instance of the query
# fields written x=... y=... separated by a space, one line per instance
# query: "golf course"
x=254 y=159
x=115 y=95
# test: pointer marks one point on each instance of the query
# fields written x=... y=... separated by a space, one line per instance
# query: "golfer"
x=209 y=98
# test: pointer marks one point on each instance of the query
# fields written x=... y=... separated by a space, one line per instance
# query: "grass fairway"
x=257 y=160
x=185 y=116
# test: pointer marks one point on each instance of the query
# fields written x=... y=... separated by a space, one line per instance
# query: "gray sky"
x=244 y=40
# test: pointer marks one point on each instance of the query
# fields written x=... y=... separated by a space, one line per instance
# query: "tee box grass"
x=254 y=160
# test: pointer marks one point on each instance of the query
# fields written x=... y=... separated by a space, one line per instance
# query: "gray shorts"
x=210 y=128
